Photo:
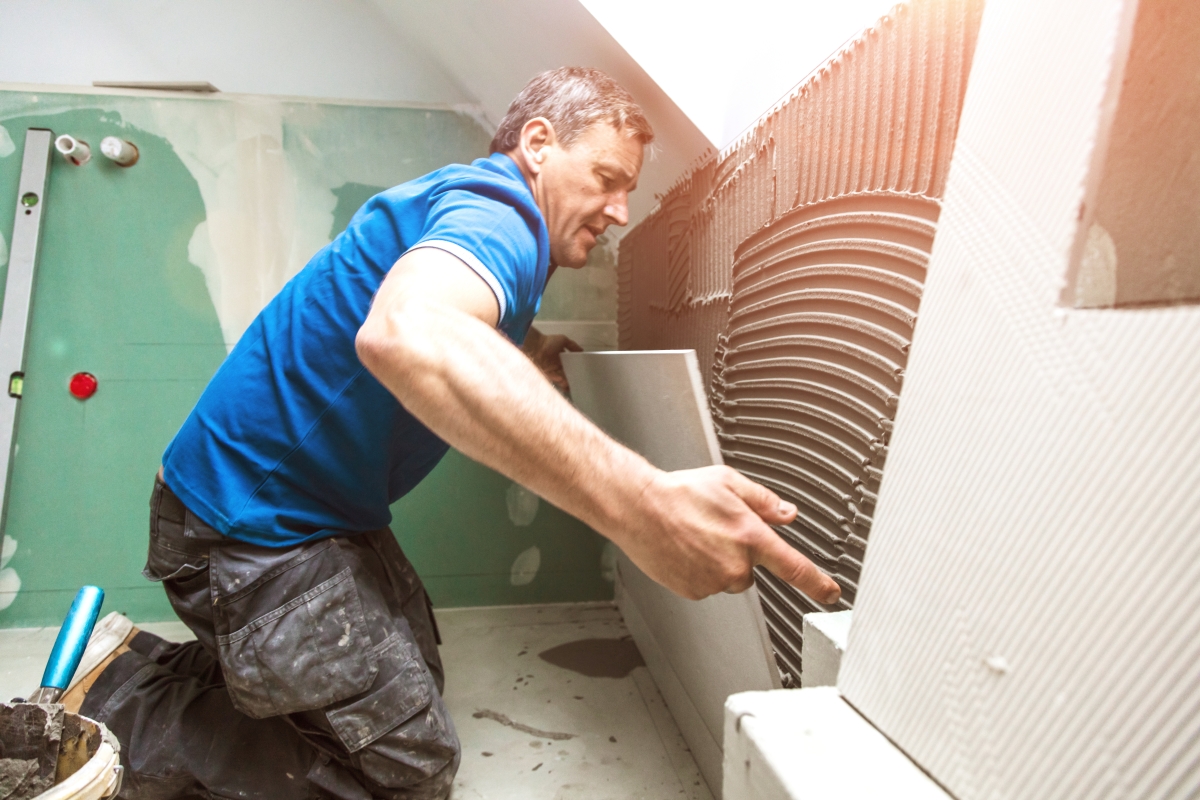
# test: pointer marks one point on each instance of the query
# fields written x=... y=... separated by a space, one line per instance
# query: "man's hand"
x=702 y=531
x=546 y=354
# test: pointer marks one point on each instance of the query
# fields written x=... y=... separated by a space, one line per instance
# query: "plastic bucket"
x=83 y=777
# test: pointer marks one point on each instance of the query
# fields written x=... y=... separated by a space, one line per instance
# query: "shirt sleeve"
x=491 y=238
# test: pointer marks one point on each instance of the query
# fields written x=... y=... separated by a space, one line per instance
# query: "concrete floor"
x=612 y=736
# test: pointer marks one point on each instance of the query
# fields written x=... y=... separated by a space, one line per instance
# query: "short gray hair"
x=573 y=99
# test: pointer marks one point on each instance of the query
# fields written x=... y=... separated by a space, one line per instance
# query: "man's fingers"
x=558 y=342
x=795 y=569
x=737 y=587
x=763 y=501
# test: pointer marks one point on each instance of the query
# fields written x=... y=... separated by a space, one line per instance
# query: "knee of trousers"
x=420 y=755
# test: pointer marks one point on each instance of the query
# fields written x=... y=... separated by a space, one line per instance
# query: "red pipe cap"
x=84 y=385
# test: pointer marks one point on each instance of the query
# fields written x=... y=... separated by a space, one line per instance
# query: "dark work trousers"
x=315 y=673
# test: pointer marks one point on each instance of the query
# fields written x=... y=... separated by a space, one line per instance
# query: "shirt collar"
x=508 y=167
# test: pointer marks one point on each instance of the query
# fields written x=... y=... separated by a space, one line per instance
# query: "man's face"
x=585 y=188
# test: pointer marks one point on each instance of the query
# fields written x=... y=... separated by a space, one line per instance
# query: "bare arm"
x=431 y=339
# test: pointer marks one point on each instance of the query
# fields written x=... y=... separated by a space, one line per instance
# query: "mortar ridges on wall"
x=810 y=371
x=877 y=120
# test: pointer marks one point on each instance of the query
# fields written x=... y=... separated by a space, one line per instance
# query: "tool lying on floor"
x=69 y=646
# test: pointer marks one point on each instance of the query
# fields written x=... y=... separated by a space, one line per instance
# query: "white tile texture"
x=1026 y=623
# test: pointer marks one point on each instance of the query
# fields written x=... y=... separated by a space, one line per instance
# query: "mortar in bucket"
x=46 y=752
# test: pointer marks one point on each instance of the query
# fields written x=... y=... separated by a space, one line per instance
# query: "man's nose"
x=617 y=209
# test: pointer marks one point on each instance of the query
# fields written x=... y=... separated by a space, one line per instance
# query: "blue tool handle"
x=73 y=638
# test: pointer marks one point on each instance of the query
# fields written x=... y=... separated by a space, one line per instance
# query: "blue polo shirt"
x=293 y=440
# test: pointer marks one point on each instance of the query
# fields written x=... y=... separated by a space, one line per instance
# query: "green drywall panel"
x=119 y=294
x=116 y=296
x=438 y=542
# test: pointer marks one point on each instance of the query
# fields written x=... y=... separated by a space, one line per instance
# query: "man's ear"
x=537 y=135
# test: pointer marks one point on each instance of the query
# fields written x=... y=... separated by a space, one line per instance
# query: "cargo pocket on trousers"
x=309 y=649
x=403 y=689
x=165 y=564
x=173 y=554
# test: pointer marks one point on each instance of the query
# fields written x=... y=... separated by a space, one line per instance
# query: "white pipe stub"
x=74 y=150
x=119 y=151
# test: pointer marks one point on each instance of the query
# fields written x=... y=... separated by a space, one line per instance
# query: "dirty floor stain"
x=503 y=719
x=596 y=658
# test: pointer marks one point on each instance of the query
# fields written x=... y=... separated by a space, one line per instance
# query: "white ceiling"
x=726 y=64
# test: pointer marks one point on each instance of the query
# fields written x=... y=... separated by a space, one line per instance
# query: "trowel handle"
x=73 y=638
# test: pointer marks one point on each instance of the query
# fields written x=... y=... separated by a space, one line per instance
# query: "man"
x=316 y=671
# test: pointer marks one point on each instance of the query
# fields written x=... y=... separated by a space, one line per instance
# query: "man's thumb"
x=762 y=501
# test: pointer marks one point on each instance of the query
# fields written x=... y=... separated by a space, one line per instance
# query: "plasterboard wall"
x=1026 y=625
x=148 y=274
